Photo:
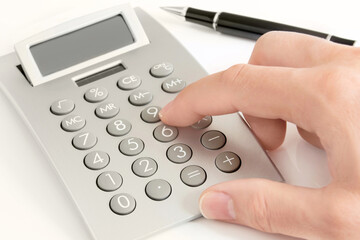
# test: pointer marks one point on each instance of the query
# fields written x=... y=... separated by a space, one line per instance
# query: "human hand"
x=304 y=80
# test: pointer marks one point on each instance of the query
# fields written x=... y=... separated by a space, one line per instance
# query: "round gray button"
x=131 y=146
x=162 y=69
x=73 y=123
x=119 y=127
x=109 y=181
x=179 y=153
x=165 y=133
x=84 y=140
x=144 y=167
x=122 y=204
x=62 y=107
x=151 y=114
x=228 y=162
x=106 y=110
x=203 y=123
x=213 y=140
x=129 y=82
x=96 y=160
x=140 y=97
x=96 y=94
x=158 y=189
x=173 y=85
x=193 y=176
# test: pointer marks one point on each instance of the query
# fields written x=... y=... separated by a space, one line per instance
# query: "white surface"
x=35 y=205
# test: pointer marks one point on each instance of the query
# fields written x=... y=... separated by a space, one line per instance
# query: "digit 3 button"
x=179 y=153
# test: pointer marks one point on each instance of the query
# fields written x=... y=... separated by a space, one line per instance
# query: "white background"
x=34 y=203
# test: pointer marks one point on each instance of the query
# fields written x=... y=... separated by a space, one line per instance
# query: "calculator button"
x=107 y=110
x=144 y=167
x=158 y=189
x=122 y=204
x=213 y=140
x=118 y=127
x=129 y=82
x=73 y=123
x=193 y=176
x=84 y=141
x=179 y=153
x=109 y=181
x=228 y=162
x=173 y=85
x=162 y=69
x=96 y=160
x=62 y=107
x=151 y=114
x=203 y=123
x=131 y=146
x=165 y=133
x=97 y=94
x=140 y=97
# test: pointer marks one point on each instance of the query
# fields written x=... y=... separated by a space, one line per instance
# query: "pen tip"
x=181 y=11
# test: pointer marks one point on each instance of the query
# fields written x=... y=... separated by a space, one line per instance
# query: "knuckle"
x=235 y=76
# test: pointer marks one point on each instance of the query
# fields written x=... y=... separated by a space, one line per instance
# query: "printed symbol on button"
x=163 y=65
x=61 y=101
x=194 y=173
x=228 y=160
x=130 y=79
x=140 y=95
x=212 y=139
x=108 y=107
x=96 y=92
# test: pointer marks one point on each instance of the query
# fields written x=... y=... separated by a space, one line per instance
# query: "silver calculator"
x=91 y=90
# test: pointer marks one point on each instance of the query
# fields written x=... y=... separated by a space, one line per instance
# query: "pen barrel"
x=205 y=18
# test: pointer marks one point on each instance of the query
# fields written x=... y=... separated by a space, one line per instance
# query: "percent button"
x=97 y=94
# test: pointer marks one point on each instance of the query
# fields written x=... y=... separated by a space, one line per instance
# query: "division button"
x=84 y=141
x=109 y=181
x=165 y=133
x=179 y=153
x=97 y=94
x=173 y=85
x=107 y=110
x=193 y=176
x=122 y=204
x=144 y=167
x=151 y=114
x=96 y=160
x=118 y=127
x=140 y=97
x=203 y=123
x=131 y=146
x=162 y=69
x=129 y=82
x=158 y=189
x=73 y=123
x=213 y=140
x=228 y=162
x=62 y=107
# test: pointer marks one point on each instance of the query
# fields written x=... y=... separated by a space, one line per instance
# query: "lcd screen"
x=81 y=45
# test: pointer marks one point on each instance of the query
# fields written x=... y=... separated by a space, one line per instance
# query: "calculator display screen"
x=81 y=45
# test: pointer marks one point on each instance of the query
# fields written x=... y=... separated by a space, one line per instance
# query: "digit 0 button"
x=72 y=123
x=228 y=162
x=144 y=167
x=213 y=140
x=193 y=176
x=122 y=204
x=96 y=160
x=84 y=141
x=97 y=94
x=164 y=133
x=161 y=69
x=179 y=153
x=62 y=107
x=109 y=181
x=129 y=82
x=158 y=189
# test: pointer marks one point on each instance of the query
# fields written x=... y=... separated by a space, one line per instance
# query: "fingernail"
x=165 y=109
x=217 y=205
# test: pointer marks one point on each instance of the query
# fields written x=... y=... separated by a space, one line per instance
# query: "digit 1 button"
x=173 y=85
x=97 y=94
x=122 y=204
x=164 y=133
x=109 y=181
x=131 y=146
x=144 y=167
x=151 y=114
x=193 y=176
x=96 y=160
x=228 y=162
x=203 y=123
x=62 y=107
x=179 y=153
x=84 y=141
x=129 y=82
x=158 y=189
x=161 y=69
x=213 y=140
x=72 y=123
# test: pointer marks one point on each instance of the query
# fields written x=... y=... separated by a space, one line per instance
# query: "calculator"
x=90 y=90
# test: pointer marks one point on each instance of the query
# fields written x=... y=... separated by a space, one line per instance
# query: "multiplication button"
x=97 y=94
x=193 y=176
x=72 y=123
x=158 y=189
x=203 y=123
x=84 y=141
x=213 y=140
x=62 y=107
x=122 y=204
x=228 y=162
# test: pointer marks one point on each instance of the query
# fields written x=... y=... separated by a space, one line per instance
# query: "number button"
x=118 y=127
x=131 y=146
x=96 y=160
x=158 y=189
x=151 y=114
x=62 y=107
x=122 y=204
x=203 y=123
x=73 y=123
x=179 y=153
x=213 y=140
x=173 y=85
x=228 y=162
x=162 y=69
x=140 y=97
x=109 y=181
x=129 y=82
x=144 y=167
x=94 y=95
x=164 y=133
x=193 y=176
x=84 y=141
x=107 y=110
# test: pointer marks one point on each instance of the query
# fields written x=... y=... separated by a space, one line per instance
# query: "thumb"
x=265 y=205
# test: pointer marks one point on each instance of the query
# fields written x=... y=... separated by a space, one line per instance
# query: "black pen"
x=243 y=26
